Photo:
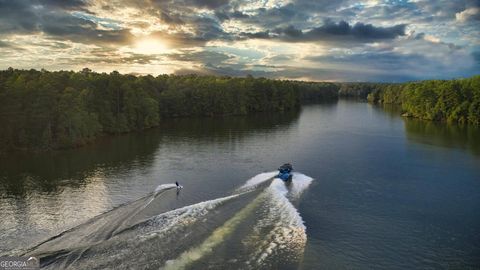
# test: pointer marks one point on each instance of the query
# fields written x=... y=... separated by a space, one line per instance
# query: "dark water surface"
x=388 y=192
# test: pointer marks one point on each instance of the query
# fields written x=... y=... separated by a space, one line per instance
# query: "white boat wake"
x=256 y=227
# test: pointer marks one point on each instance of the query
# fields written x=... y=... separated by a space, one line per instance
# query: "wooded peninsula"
x=44 y=110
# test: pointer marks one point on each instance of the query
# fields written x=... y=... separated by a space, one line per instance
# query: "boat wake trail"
x=257 y=226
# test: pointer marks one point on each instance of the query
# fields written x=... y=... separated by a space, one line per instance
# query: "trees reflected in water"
x=444 y=134
x=114 y=155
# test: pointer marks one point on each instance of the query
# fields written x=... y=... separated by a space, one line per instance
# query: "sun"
x=150 y=46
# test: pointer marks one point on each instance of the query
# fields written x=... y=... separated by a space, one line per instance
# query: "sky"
x=315 y=40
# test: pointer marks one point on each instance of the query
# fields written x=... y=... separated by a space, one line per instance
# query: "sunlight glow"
x=150 y=46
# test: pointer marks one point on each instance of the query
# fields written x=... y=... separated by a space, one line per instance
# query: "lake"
x=387 y=193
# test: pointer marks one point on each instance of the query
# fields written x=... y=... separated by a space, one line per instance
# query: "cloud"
x=114 y=58
x=65 y=4
x=179 y=40
x=206 y=57
x=208 y=29
x=173 y=19
x=171 y=4
x=301 y=39
x=335 y=32
x=414 y=63
x=17 y=17
x=381 y=60
x=211 y=4
x=469 y=14
x=223 y=15
x=271 y=17
x=281 y=58
x=476 y=59
x=4 y=44
x=433 y=40
x=81 y=30
x=51 y=18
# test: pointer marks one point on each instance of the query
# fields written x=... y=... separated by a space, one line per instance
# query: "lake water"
x=387 y=193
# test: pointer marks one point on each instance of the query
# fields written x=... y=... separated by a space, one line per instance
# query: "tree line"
x=63 y=109
x=439 y=100
x=359 y=90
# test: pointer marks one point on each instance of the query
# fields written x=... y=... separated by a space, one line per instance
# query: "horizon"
x=318 y=41
x=229 y=76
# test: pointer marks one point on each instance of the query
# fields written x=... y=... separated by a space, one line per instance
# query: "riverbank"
x=41 y=110
x=454 y=101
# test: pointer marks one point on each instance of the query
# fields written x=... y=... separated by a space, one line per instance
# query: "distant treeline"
x=358 y=90
x=311 y=92
x=438 y=100
x=51 y=110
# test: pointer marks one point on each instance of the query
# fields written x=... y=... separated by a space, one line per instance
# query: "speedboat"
x=285 y=172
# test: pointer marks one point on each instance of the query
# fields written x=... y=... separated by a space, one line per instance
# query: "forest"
x=455 y=101
x=43 y=110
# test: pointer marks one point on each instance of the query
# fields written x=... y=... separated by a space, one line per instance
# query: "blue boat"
x=285 y=172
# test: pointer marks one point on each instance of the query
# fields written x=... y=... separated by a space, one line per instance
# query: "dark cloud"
x=206 y=57
x=203 y=30
x=258 y=35
x=209 y=29
x=173 y=18
x=319 y=6
x=201 y=27
x=64 y=26
x=379 y=60
x=169 y=5
x=224 y=15
x=400 y=11
x=17 y=17
x=52 y=18
x=4 y=44
x=212 y=4
x=476 y=58
x=273 y=17
x=21 y=17
x=330 y=31
x=65 y=4
x=239 y=15
x=283 y=13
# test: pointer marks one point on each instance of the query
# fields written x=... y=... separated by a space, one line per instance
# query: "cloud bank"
x=345 y=40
